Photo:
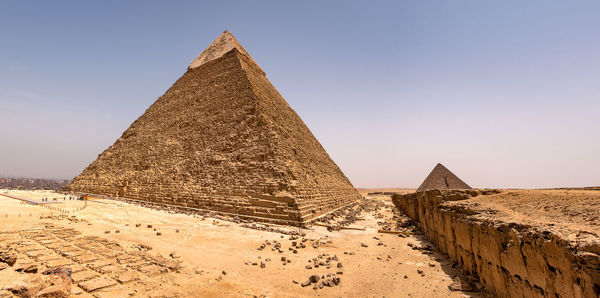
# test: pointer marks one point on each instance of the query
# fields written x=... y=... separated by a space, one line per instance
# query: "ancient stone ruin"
x=222 y=139
x=441 y=178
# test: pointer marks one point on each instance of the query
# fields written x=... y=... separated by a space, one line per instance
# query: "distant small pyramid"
x=441 y=178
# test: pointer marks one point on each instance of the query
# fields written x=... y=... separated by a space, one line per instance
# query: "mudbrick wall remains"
x=510 y=260
x=223 y=139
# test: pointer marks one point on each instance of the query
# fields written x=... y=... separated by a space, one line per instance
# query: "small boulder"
x=462 y=285
x=8 y=256
x=27 y=287
x=60 y=287
x=58 y=271
x=27 y=268
x=335 y=280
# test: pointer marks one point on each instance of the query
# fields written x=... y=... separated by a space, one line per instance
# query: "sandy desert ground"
x=573 y=214
x=118 y=249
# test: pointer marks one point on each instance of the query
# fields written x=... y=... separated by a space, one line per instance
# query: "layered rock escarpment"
x=511 y=255
x=222 y=139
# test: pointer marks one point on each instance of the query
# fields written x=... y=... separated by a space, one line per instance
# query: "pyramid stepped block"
x=223 y=139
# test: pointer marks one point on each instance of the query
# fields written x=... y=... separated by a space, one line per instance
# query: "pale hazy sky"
x=504 y=93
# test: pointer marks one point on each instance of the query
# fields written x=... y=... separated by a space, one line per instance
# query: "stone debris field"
x=115 y=249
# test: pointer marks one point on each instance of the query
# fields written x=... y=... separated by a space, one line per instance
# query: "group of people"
x=80 y=198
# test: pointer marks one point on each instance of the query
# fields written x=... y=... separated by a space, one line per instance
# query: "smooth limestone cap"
x=219 y=47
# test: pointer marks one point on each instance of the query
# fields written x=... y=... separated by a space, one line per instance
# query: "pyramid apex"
x=223 y=44
x=439 y=165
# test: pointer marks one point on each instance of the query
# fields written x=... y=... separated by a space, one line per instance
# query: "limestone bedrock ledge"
x=510 y=259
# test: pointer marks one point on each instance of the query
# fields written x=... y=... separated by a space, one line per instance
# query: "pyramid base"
x=303 y=220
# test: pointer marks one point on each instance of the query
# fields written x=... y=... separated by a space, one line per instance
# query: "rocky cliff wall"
x=510 y=259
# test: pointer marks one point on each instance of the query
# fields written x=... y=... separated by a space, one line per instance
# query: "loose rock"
x=8 y=256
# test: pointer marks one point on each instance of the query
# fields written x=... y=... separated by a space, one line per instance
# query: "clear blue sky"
x=504 y=93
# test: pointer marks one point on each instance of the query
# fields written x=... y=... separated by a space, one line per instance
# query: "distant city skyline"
x=503 y=94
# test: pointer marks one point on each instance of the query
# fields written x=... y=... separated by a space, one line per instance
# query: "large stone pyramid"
x=222 y=139
x=441 y=178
